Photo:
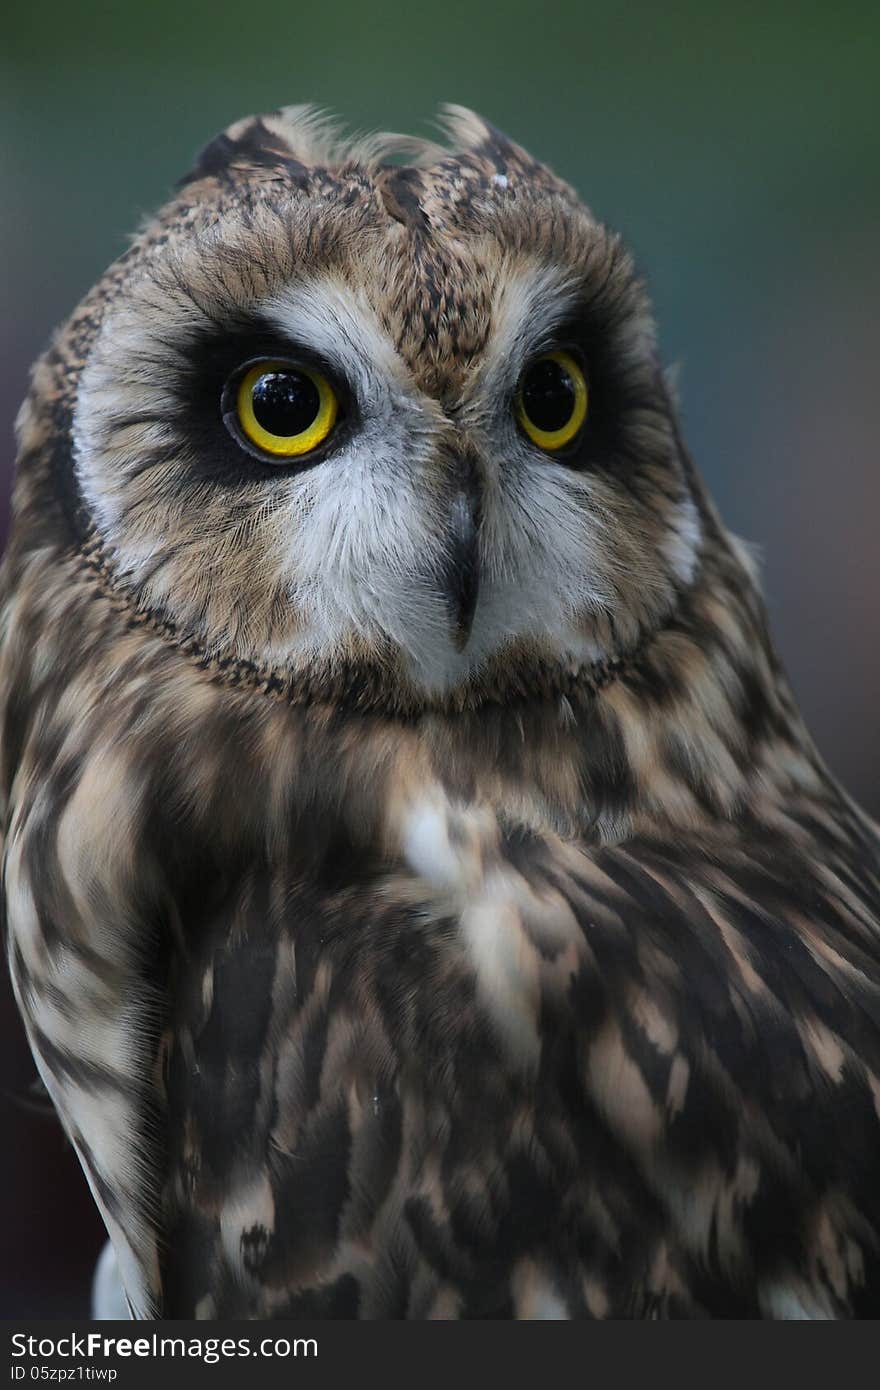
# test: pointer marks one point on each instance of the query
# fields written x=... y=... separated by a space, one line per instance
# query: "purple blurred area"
x=738 y=150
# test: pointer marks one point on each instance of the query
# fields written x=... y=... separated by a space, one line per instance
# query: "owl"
x=423 y=897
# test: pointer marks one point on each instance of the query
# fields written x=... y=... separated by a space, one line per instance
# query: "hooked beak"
x=461 y=573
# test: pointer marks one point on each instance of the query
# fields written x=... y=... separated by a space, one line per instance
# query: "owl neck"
x=700 y=729
x=694 y=731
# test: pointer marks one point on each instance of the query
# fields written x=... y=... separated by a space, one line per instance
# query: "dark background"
x=737 y=146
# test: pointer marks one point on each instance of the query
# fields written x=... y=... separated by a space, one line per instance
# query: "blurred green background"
x=736 y=146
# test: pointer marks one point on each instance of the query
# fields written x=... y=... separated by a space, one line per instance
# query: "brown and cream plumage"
x=423 y=897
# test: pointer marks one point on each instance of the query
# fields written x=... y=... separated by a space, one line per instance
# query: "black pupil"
x=548 y=395
x=285 y=403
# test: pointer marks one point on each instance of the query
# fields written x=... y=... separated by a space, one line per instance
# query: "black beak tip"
x=462 y=574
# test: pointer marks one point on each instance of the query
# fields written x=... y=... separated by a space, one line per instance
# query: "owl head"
x=337 y=417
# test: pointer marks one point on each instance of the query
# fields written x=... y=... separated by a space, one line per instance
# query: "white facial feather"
x=368 y=542
x=356 y=544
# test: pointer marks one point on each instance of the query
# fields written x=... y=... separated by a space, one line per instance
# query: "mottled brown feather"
x=552 y=993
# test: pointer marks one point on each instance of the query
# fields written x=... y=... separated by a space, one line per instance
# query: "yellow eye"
x=285 y=410
x=552 y=400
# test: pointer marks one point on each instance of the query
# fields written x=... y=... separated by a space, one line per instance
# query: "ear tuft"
x=290 y=141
